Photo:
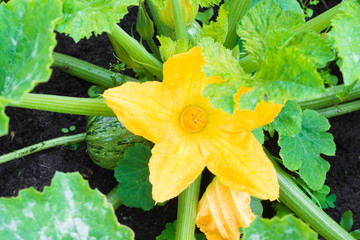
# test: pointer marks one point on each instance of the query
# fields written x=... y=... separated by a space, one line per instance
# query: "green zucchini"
x=107 y=140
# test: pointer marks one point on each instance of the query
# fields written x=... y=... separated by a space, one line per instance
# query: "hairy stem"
x=69 y=105
x=89 y=72
x=180 y=29
x=340 y=109
x=67 y=140
x=292 y=196
x=187 y=208
x=137 y=52
x=113 y=198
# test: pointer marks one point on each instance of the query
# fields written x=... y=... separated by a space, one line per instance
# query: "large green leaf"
x=221 y=62
x=303 y=150
x=284 y=5
x=132 y=173
x=27 y=43
x=276 y=228
x=218 y=30
x=68 y=209
x=82 y=18
x=345 y=33
x=287 y=59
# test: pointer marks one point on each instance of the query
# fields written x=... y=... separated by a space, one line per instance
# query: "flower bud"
x=188 y=10
x=144 y=25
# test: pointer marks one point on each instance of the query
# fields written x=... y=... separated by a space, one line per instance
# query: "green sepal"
x=132 y=173
x=83 y=18
x=276 y=228
x=288 y=122
x=346 y=39
x=221 y=62
x=27 y=42
x=68 y=209
x=303 y=150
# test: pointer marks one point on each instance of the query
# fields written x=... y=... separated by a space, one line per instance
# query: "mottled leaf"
x=132 y=173
x=221 y=62
x=218 y=30
x=170 y=47
x=284 y=5
x=27 y=43
x=288 y=122
x=303 y=150
x=68 y=209
x=287 y=59
x=82 y=18
x=346 y=40
x=276 y=228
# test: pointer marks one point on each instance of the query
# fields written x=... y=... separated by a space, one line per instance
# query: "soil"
x=28 y=127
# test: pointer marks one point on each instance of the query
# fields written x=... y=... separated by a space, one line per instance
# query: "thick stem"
x=292 y=196
x=113 y=198
x=89 y=72
x=340 y=109
x=187 y=209
x=69 y=105
x=43 y=146
x=331 y=97
x=137 y=52
x=180 y=29
x=237 y=9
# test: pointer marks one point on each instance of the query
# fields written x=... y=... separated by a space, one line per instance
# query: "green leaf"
x=221 y=62
x=356 y=234
x=287 y=59
x=303 y=151
x=282 y=210
x=285 y=5
x=203 y=3
x=218 y=30
x=68 y=209
x=82 y=18
x=170 y=47
x=322 y=197
x=132 y=173
x=288 y=122
x=27 y=42
x=169 y=233
x=346 y=40
x=259 y=134
x=347 y=220
x=276 y=228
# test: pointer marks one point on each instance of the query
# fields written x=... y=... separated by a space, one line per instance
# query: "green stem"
x=331 y=97
x=180 y=28
x=69 y=105
x=136 y=51
x=316 y=24
x=89 y=72
x=43 y=146
x=292 y=196
x=187 y=209
x=154 y=48
x=237 y=9
x=340 y=109
x=113 y=198
x=161 y=28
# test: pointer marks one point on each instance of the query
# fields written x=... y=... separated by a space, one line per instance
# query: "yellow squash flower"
x=190 y=134
x=222 y=211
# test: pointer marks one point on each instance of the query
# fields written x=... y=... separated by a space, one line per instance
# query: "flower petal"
x=145 y=109
x=240 y=162
x=174 y=165
x=222 y=211
x=183 y=75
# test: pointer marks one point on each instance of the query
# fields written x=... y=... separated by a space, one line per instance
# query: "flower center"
x=193 y=119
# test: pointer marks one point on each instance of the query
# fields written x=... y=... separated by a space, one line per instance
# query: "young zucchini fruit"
x=107 y=140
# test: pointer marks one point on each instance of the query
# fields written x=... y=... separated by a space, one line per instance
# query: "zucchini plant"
x=205 y=95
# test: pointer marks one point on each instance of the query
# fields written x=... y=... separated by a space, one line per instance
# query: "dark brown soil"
x=30 y=126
